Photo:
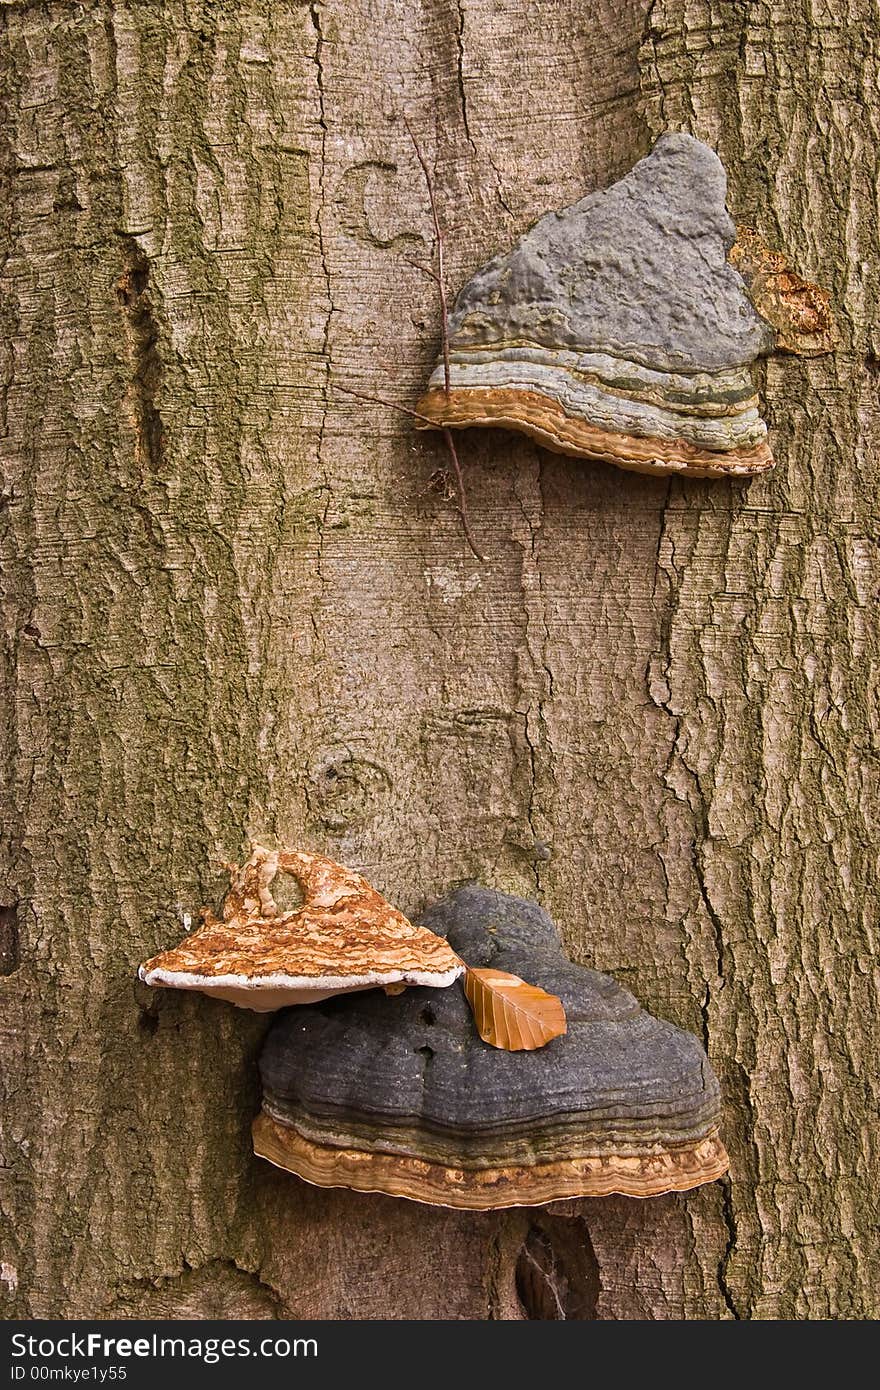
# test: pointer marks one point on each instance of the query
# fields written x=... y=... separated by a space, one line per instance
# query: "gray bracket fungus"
x=401 y=1096
x=618 y=329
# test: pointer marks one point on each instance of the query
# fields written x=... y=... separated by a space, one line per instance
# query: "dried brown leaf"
x=511 y=1014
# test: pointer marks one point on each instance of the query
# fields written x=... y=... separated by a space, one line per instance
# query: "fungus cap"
x=345 y=937
x=403 y=1097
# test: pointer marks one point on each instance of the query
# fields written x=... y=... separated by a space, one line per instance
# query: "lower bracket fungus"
x=345 y=937
x=400 y=1096
x=622 y=329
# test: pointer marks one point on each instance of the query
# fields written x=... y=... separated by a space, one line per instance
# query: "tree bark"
x=234 y=606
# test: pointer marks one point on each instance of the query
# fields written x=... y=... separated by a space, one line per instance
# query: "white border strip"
x=183 y=980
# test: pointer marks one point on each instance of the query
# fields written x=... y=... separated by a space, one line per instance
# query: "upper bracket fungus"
x=622 y=328
x=344 y=937
x=400 y=1096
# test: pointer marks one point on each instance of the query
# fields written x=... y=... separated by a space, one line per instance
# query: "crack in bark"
x=661 y=535
x=700 y=875
x=648 y=58
x=699 y=807
x=142 y=337
x=464 y=113
x=530 y=807
x=314 y=12
x=494 y=1274
x=315 y=16
x=498 y=193
x=729 y=1214
x=459 y=39
x=10 y=955
x=536 y=705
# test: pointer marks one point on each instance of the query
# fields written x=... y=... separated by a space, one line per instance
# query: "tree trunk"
x=236 y=607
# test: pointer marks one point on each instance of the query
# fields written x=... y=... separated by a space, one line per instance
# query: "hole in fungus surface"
x=426 y=1052
x=428 y=1015
x=287 y=894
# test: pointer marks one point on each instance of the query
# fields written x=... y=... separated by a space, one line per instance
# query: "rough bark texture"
x=234 y=606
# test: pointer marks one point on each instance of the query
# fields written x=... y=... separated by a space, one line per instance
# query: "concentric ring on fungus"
x=636 y=1175
x=401 y=1096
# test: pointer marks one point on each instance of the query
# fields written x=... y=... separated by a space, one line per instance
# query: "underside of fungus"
x=401 y=1096
x=622 y=328
x=345 y=937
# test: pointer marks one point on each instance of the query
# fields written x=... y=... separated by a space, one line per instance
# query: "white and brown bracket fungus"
x=401 y=1096
x=344 y=937
x=623 y=329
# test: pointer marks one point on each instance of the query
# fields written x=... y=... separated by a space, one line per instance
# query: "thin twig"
x=462 y=504
x=450 y=444
x=441 y=278
x=425 y=269
x=390 y=405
